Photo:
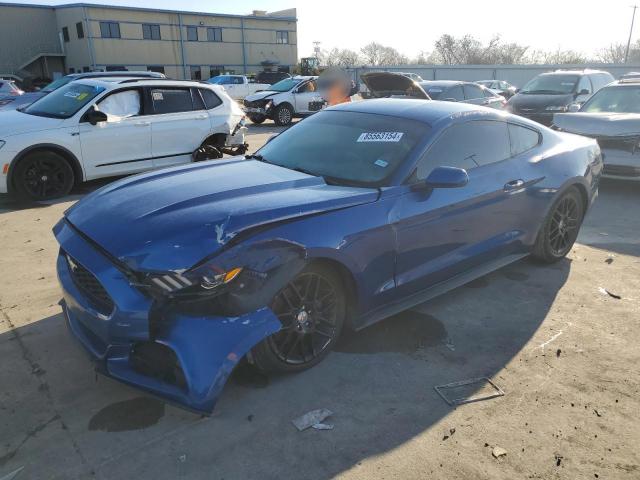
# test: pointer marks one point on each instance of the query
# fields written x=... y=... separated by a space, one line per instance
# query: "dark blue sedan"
x=170 y=278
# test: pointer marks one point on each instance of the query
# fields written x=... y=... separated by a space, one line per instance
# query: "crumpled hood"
x=261 y=95
x=599 y=124
x=170 y=219
x=13 y=122
x=538 y=102
x=386 y=84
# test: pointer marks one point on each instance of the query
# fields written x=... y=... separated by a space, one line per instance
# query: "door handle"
x=142 y=124
x=513 y=185
x=202 y=117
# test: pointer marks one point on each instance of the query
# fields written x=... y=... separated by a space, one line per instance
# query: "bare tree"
x=377 y=54
x=341 y=57
x=469 y=50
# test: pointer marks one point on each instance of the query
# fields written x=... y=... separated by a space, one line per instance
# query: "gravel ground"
x=564 y=351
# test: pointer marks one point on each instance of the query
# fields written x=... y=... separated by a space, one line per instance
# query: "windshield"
x=220 y=80
x=284 y=85
x=552 y=84
x=434 y=92
x=61 y=82
x=614 y=100
x=349 y=148
x=65 y=101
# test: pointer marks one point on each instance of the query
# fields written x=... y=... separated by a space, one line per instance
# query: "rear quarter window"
x=211 y=100
x=522 y=138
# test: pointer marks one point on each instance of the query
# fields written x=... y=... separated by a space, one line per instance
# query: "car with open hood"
x=556 y=92
x=363 y=210
x=612 y=117
x=500 y=87
x=392 y=85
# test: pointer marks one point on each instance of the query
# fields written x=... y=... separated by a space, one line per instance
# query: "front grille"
x=90 y=286
x=621 y=171
x=254 y=104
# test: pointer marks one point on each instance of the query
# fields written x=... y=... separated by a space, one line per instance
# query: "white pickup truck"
x=237 y=86
x=282 y=101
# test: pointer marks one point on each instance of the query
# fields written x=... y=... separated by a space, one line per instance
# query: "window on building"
x=171 y=100
x=150 y=31
x=116 y=68
x=196 y=72
x=214 y=34
x=211 y=100
x=72 y=70
x=215 y=70
x=282 y=36
x=109 y=29
x=80 y=30
x=86 y=69
x=65 y=34
x=192 y=34
x=156 y=68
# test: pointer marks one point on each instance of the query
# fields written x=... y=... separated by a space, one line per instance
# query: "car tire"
x=43 y=175
x=283 y=115
x=312 y=310
x=560 y=228
x=257 y=118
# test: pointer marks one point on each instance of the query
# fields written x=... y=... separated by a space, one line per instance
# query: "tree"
x=377 y=54
x=341 y=57
x=469 y=50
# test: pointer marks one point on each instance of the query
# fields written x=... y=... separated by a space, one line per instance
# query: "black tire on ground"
x=43 y=175
x=312 y=309
x=561 y=227
x=283 y=115
x=257 y=118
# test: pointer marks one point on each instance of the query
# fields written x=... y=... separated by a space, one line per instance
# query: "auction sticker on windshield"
x=380 y=137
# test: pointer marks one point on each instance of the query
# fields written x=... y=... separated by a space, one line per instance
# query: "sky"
x=413 y=26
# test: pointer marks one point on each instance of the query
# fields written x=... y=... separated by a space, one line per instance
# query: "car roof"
x=426 y=111
x=442 y=83
x=115 y=82
x=143 y=74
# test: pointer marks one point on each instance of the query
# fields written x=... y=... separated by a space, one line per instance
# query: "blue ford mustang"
x=170 y=278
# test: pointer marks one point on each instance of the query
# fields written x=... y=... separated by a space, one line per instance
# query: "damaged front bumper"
x=182 y=357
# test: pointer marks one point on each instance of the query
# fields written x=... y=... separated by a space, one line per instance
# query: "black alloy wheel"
x=311 y=309
x=43 y=176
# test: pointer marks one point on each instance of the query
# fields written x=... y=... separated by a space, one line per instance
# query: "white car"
x=282 y=101
x=9 y=88
x=96 y=128
x=237 y=86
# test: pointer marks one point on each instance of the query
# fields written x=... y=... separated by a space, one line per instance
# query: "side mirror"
x=584 y=91
x=94 y=116
x=447 y=177
x=574 y=107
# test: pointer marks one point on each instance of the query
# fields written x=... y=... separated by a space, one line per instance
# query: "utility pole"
x=633 y=17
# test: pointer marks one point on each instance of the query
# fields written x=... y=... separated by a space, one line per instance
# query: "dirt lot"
x=564 y=351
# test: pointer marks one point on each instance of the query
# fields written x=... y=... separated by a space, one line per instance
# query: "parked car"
x=271 y=77
x=96 y=128
x=500 y=87
x=238 y=86
x=285 y=100
x=467 y=92
x=359 y=212
x=8 y=88
x=364 y=88
x=30 y=97
x=554 y=92
x=392 y=85
x=612 y=117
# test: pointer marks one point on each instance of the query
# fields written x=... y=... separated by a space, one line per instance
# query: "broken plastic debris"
x=498 y=452
x=466 y=391
x=322 y=426
x=604 y=291
x=311 y=418
x=450 y=345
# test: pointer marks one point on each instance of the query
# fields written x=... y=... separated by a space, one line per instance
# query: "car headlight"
x=205 y=280
x=268 y=104
x=556 y=108
x=2 y=142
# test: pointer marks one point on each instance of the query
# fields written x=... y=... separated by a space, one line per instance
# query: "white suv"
x=116 y=126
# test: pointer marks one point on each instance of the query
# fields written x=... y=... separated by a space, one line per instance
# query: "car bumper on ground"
x=181 y=357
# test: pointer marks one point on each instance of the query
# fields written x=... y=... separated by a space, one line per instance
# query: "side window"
x=211 y=100
x=455 y=93
x=171 y=100
x=487 y=93
x=585 y=84
x=467 y=145
x=121 y=104
x=310 y=86
x=198 y=103
x=473 y=91
x=522 y=138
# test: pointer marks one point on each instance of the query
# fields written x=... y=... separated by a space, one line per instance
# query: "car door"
x=122 y=144
x=445 y=232
x=474 y=94
x=179 y=124
x=304 y=94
